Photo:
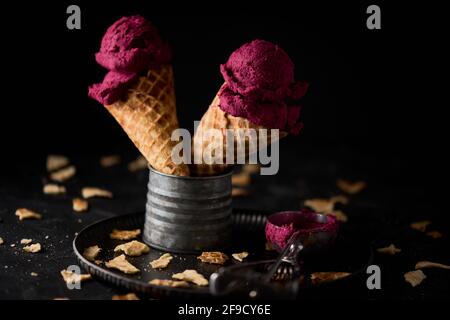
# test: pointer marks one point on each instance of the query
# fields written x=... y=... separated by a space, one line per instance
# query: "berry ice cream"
x=130 y=46
x=260 y=86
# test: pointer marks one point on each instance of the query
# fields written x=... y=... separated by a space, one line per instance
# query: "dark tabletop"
x=381 y=214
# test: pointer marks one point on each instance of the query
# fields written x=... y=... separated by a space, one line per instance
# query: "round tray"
x=248 y=235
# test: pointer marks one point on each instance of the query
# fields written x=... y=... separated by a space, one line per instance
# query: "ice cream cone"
x=215 y=118
x=148 y=115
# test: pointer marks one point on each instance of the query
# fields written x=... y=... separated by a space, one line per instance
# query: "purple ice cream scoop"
x=260 y=86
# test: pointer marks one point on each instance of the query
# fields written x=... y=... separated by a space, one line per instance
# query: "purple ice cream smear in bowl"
x=282 y=225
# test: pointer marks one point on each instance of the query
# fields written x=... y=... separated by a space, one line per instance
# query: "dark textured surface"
x=381 y=214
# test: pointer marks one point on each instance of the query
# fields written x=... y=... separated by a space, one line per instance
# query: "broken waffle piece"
x=169 y=283
x=26 y=241
x=414 y=278
x=62 y=175
x=429 y=264
x=120 y=263
x=351 y=187
x=139 y=164
x=162 y=262
x=435 y=234
x=23 y=214
x=55 y=162
x=239 y=192
x=340 y=215
x=241 y=179
x=91 y=253
x=391 y=250
x=214 y=257
x=129 y=296
x=72 y=277
x=52 y=188
x=124 y=234
x=320 y=205
x=321 y=277
x=133 y=248
x=420 y=225
x=191 y=276
x=240 y=256
x=90 y=192
x=110 y=161
x=32 y=248
x=79 y=205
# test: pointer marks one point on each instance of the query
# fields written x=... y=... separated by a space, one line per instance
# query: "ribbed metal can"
x=188 y=214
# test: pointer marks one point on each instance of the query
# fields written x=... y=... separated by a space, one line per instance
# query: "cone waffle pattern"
x=148 y=116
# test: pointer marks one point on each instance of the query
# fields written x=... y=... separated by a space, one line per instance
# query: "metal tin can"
x=188 y=214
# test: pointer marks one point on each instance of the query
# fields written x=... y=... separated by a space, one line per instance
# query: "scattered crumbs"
x=33 y=248
x=12 y=245
x=63 y=174
x=26 y=241
x=1 y=241
x=162 y=262
x=54 y=189
x=414 y=278
x=191 y=276
x=132 y=248
x=420 y=225
x=240 y=256
x=124 y=234
x=429 y=264
x=79 y=205
x=110 y=161
x=120 y=263
x=351 y=187
x=33 y=274
x=129 y=296
x=139 y=164
x=434 y=234
x=55 y=162
x=391 y=250
x=91 y=192
x=46 y=237
x=23 y=213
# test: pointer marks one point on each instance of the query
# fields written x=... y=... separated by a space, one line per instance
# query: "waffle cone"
x=215 y=118
x=148 y=116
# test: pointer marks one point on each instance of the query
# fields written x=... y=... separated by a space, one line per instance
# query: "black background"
x=372 y=90
x=374 y=111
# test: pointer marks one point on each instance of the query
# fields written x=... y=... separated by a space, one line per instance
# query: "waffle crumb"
x=214 y=257
x=55 y=162
x=429 y=264
x=240 y=256
x=23 y=214
x=241 y=179
x=33 y=248
x=391 y=250
x=139 y=164
x=110 y=161
x=79 y=205
x=191 y=276
x=239 y=192
x=120 y=263
x=435 y=234
x=420 y=225
x=91 y=192
x=26 y=241
x=414 y=278
x=90 y=253
x=52 y=188
x=132 y=248
x=62 y=175
x=351 y=187
x=72 y=277
x=124 y=234
x=322 y=277
x=162 y=262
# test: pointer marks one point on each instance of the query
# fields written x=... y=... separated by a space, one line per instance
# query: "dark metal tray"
x=248 y=235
